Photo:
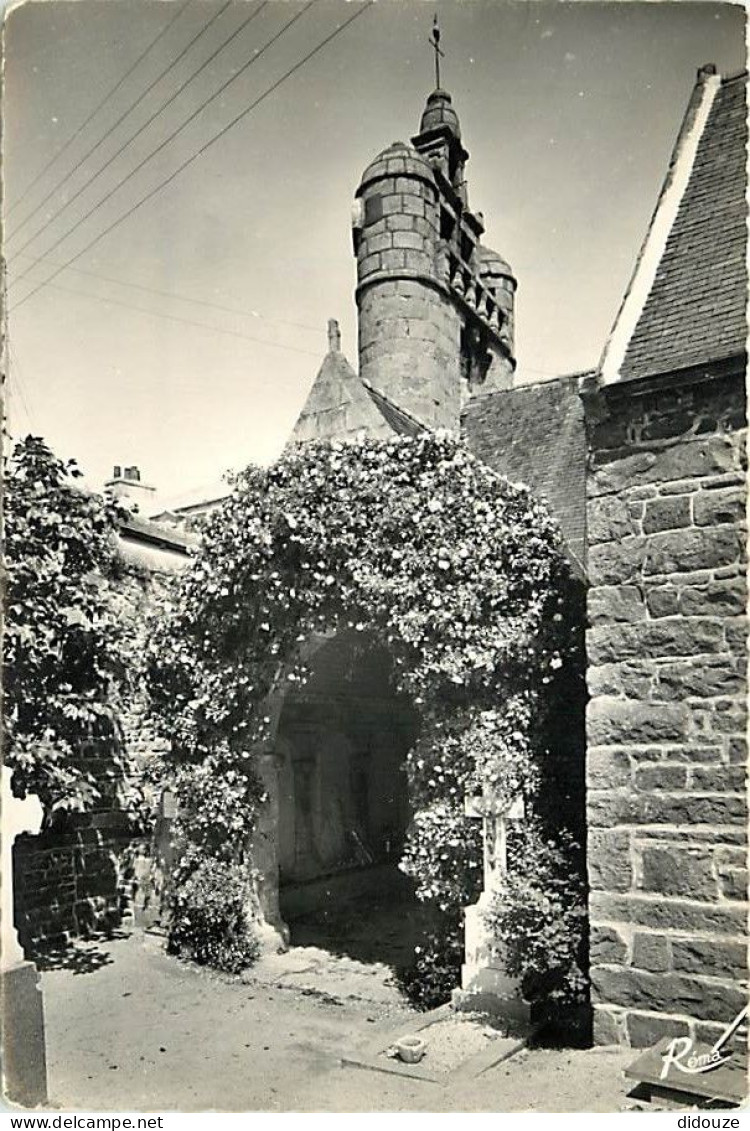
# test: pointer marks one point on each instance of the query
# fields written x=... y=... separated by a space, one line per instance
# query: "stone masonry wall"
x=71 y=880
x=410 y=349
x=666 y=725
x=409 y=331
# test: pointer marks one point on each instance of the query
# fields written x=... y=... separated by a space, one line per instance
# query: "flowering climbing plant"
x=420 y=547
x=68 y=653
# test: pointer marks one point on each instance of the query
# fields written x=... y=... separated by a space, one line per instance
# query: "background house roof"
x=197 y=498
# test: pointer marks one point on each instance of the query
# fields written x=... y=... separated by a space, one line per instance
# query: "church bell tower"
x=435 y=306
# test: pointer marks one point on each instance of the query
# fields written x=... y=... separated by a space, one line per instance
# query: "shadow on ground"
x=379 y=930
x=150 y=1033
x=417 y=949
x=570 y=1027
x=81 y=956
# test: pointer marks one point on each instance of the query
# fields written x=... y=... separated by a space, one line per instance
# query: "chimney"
x=334 y=336
x=126 y=486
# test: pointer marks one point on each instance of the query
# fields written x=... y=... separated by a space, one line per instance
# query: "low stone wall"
x=68 y=884
x=666 y=721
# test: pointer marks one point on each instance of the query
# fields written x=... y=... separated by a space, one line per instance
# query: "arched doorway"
x=343 y=804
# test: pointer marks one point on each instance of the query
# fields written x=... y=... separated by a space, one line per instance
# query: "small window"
x=447 y=224
x=373 y=209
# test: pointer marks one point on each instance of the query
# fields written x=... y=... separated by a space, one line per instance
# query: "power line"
x=119 y=121
x=4 y=352
x=170 y=138
x=183 y=321
x=11 y=371
x=15 y=383
x=186 y=298
x=203 y=149
x=77 y=133
x=141 y=129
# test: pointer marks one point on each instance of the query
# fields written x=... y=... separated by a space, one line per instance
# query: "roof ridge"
x=576 y=377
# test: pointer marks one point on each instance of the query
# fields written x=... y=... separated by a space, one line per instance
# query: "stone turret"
x=439 y=139
x=435 y=307
x=498 y=279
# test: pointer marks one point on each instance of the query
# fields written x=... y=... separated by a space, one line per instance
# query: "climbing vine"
x=68 y=654
x=418 y=546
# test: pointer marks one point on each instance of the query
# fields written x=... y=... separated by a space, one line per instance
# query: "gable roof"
x=340 y=406
x=686 y=303
x=535 y=434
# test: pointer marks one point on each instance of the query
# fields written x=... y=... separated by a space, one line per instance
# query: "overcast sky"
x=569 y=112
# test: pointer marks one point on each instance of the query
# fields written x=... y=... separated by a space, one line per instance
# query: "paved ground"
x=129 y=1027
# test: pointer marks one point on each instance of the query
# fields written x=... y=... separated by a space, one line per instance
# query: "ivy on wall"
x=415 y=544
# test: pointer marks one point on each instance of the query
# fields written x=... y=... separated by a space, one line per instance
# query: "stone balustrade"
x=464 y=282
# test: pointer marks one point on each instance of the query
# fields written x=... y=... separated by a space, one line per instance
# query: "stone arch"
x=454 y=569
x=338 y=808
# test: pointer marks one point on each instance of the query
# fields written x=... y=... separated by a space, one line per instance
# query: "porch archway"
x=456 y=572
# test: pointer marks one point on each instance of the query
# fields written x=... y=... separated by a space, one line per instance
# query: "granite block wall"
x=410 y=348
x=666 y=720
x=409 y=334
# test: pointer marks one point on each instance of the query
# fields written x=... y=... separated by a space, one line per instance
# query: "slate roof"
x=695 y=312
x=197 y=498
x=534 y=434
x=137 y=529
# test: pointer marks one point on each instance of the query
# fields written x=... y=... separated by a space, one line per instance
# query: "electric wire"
x=120 y=120
x=77 y=133
x=170 y=138
x=198 y=153
x=183 y=321
x=187 y=298
x=15 y=383
x=141 y=129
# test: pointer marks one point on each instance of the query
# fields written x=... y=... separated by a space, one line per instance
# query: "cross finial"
x=435 y=41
